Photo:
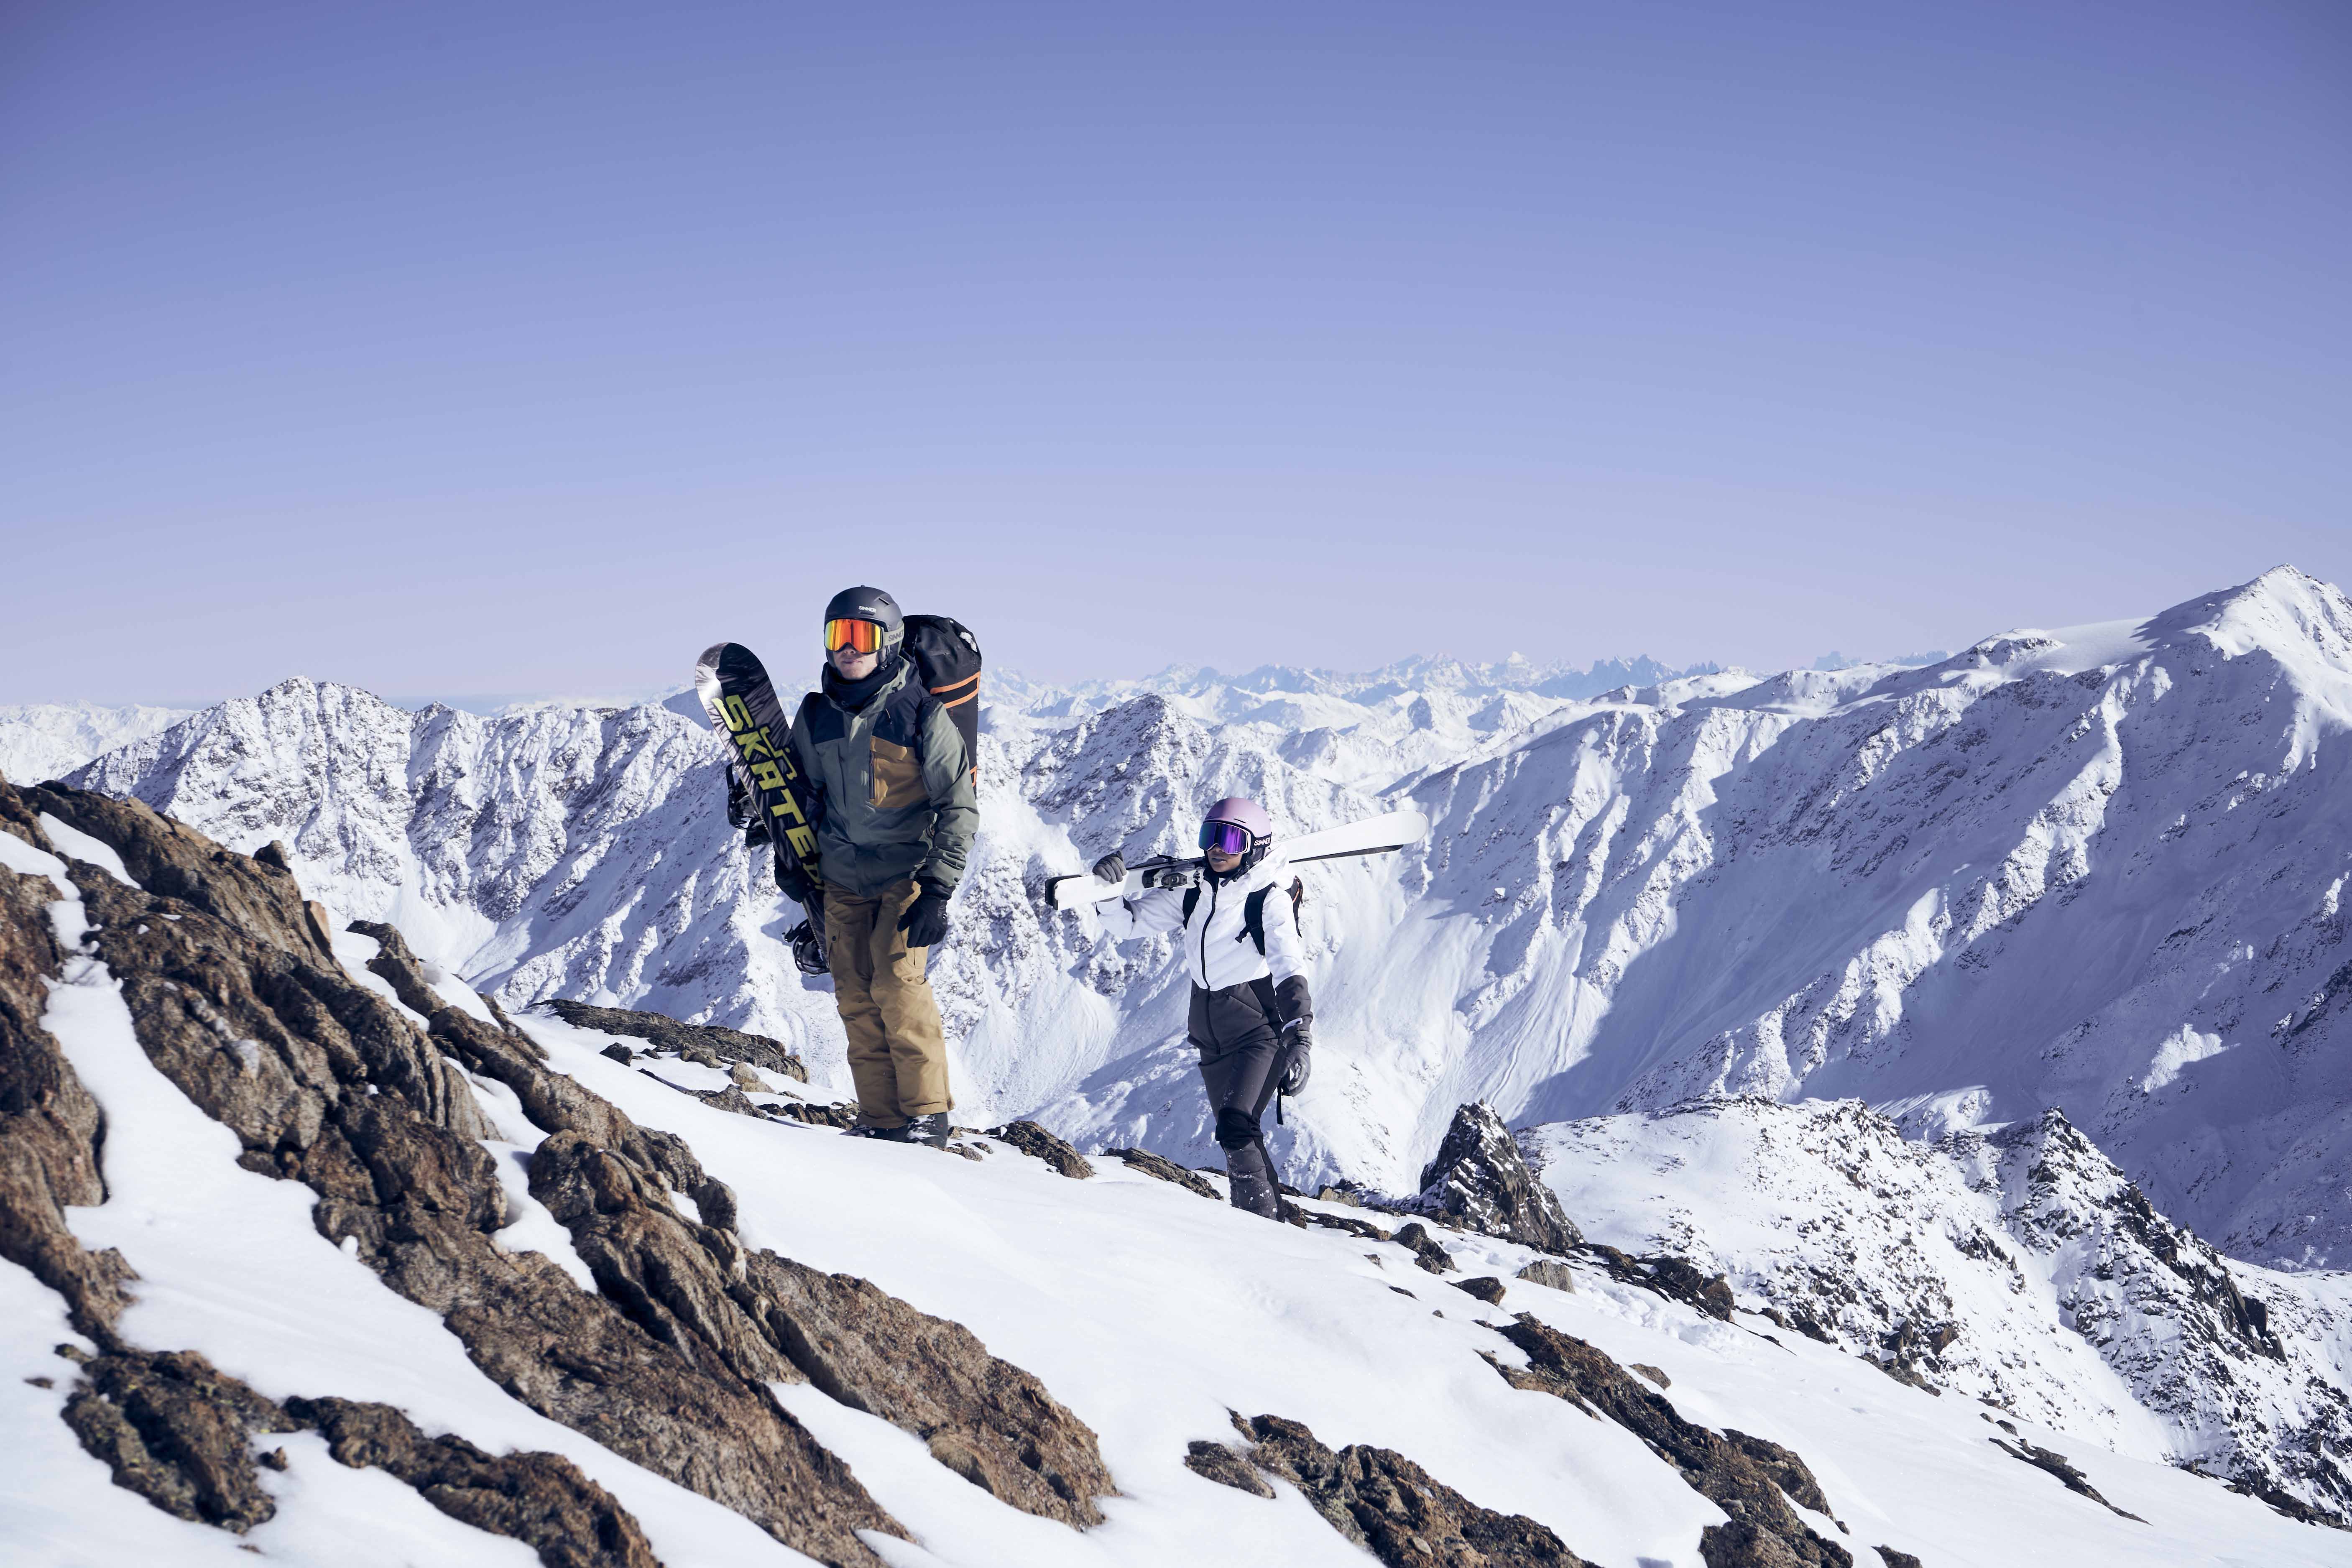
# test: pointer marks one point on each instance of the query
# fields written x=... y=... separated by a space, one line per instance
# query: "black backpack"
x=1253 y=911
x=947 y=661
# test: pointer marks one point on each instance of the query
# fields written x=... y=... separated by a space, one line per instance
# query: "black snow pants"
x=1241 y=1048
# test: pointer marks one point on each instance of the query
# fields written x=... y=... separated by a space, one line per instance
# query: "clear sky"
x=521 y=347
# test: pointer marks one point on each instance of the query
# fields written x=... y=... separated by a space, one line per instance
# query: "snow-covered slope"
x=2020 y=1267
x=2100 y=868
x=372 y=1278
x=48 y=739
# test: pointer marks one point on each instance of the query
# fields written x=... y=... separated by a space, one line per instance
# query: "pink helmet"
x=1238 y=811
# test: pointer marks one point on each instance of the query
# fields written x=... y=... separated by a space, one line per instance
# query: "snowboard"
x=741 y=702
x=1373 y=836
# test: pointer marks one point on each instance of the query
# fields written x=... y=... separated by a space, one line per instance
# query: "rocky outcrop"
x=668 y=1362
x=986 y=1419
x=2051 y=1462
x=1039 y=1143
x=1166 y=1170
x=1480 y=1181
x=2198 y=1337
x=538 y=1499
x=684 y=1039
x=1544 y=1271
x=1388 y=1505
x=49 y=1125
x=1744 y=1476
x=342 y=1093
x=179 y=1433
x=1426 y=1248
x=168 y=1426
x=1218 y=1462
x=174 y=1431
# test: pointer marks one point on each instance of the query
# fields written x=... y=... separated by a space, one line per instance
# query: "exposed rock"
x=669 y=1034
x=1899 y=1559
x=1035 y=1140
x=1791 y=1474
x=732 y=1098
x=1415 y=1237
x=1742 y=1544
x=986 y=1419
x=1345 y=1222
x=1393 y=1509
x=173 y=1430
x=1545 y=1271
x=178 y=1432
x=50 y=1124
x=1480 y=1181
x=844 y=1115
x=1676 y=1279
x=1486 y=1287
x=619 y=1053
x=2058 y=1465
x=1166 y=1170
x=341 y=1092
x=1652 y=1372
x=1723 y=1467
x=1219 y=1463
x=538 y=1499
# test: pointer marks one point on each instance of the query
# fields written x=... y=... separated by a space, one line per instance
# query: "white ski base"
x=1374 y=835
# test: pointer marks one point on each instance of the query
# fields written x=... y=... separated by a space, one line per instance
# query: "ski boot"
x=932 y=1129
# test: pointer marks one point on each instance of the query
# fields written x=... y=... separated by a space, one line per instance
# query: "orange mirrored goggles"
x=858 y=637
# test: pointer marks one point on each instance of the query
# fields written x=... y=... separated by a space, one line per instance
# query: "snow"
x=1145 y=1309
x=229 y=1265
x=2094 y=866
x=40 y=741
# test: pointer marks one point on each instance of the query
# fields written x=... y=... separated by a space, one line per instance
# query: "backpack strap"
x=1253 y=923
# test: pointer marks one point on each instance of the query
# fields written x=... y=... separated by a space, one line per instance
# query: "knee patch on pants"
x=1235 y=1128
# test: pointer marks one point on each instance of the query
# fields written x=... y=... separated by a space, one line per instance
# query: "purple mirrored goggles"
x=1225 y=838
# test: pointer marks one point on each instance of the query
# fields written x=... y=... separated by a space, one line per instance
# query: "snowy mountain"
x=2021 y=1269
x=309 y=1252
x=48 y=739
x=2098 y=868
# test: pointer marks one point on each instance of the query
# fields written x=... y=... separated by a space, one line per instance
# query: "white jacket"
x=1217 y=950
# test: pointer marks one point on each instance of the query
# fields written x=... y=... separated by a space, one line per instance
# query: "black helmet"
x=869 y=604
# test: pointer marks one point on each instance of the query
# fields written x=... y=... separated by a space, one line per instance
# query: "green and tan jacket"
x=895 y=796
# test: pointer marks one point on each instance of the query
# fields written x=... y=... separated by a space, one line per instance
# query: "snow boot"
x=932 y=1129
x=888 y=1134
x=1250 y=1176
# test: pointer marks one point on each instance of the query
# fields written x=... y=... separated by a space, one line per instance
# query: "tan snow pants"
x=897 y=1055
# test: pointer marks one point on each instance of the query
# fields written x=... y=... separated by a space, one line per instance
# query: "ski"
x=741 y=702
x=1373 y=836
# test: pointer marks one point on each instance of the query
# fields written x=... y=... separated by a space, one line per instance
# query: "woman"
x=1251 y=1019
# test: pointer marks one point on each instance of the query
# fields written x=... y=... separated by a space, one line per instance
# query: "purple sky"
x=459 y=348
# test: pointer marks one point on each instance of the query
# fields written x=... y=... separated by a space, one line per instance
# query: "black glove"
x=793 y=881
x=926 y=920
x=1112 y=867
x=1296 y=1071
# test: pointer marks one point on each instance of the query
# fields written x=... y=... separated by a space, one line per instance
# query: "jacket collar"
x=855 y=695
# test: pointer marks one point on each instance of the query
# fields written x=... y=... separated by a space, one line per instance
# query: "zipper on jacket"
x=1214 y=891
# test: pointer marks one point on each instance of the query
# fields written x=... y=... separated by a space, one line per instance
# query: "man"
x=895 y=814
